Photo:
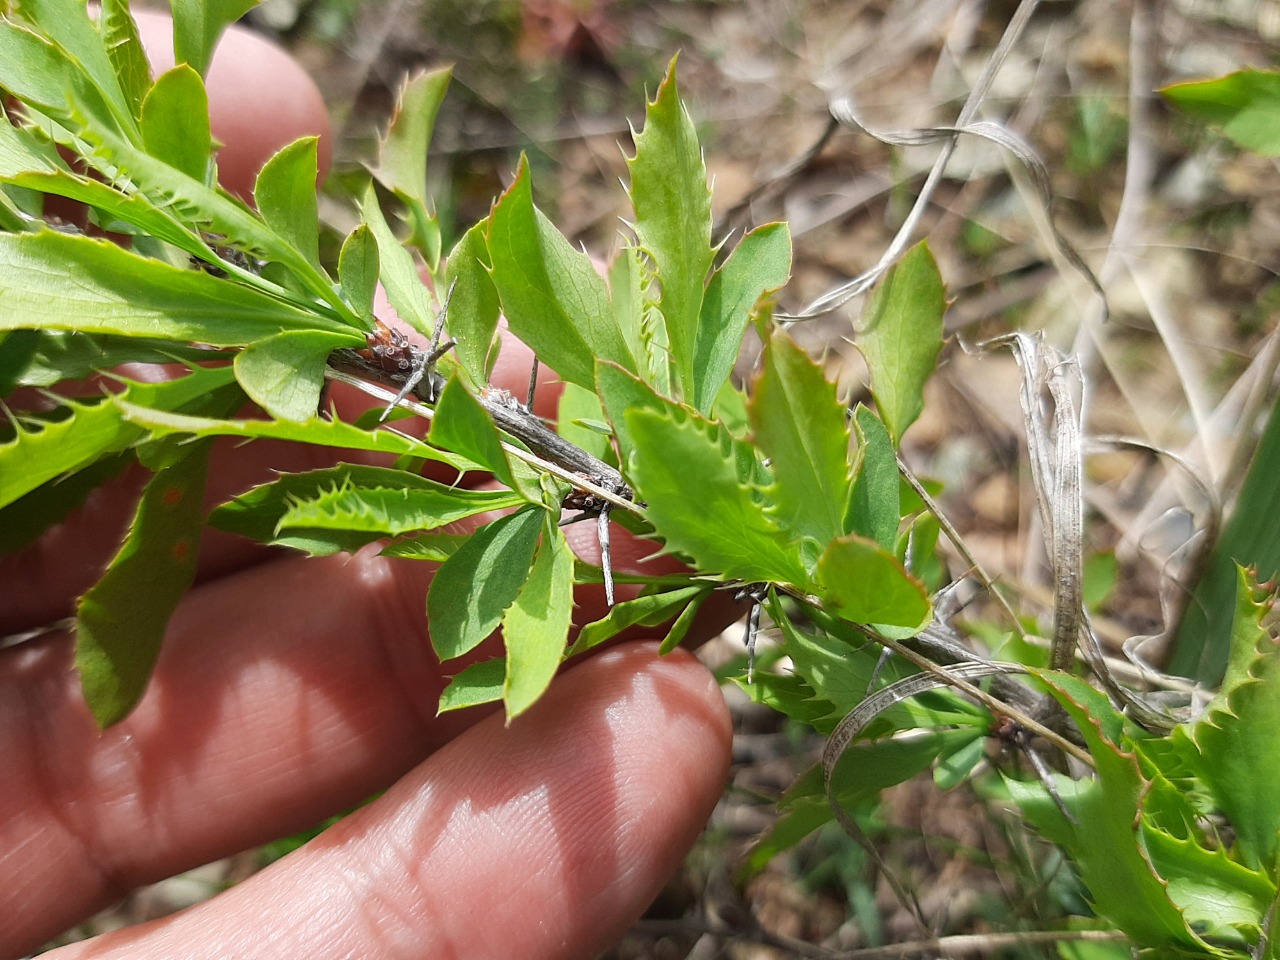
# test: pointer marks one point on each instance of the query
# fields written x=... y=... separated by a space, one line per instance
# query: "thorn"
x=533 y=384
x=885 y=654
x=753 y=632
x=606 y=559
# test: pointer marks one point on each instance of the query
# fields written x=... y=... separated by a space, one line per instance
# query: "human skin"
x=289 y=689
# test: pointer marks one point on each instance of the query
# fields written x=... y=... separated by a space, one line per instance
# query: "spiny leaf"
x=551 y=295
x=803 y=430
x=198 y=25
x=285 y=193
x=21 y=151
x=1222 y=899
x=867 y=584
x=124 y=49
x=536 y=626
x=317 y=431
x=39 y=72
x=900 y=334
x=1121 y=880
x=673 y=221
x=1239 y=735
x=194 y=203
x=691 y=476
x=70 y=282
x=377 y=500
x=175 y=122
x=433 y=547
x=121 y=621
x=473 y=306
x=90 y=430
x=402 y=156
x=285 y=373
x=759 y=265
x=391 y=511
x=473 y=588
x=67 y=24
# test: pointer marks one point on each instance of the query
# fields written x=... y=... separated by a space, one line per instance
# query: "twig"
x=551 y=453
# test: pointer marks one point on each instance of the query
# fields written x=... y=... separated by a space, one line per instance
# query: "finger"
x=283 y=694
x=554 y=834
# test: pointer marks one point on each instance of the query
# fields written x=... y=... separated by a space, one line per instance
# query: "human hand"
x=292 y=688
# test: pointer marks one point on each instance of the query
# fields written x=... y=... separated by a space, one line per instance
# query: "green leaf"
x=382 y=511
x=1122 y=883
x=358 y=268
x=473 y=588
x=67 y=24
x=317 y=431
x=473 y=306
x=402 y=156
x=758 y=266
x=691 y=476
x=536 y=626
x=88 y=431
x=197 y=204
x=479 y=683
x=198 y=25
x=1221 y=899
x=900 y=334
x=803 y=429
x=42 y=73
x=867 y=584
x=35 y=456
x=121 y=621
x=375 y=502
x=71 y=282
x=22 y=151
x=680 y=626
x=175 y=122
x=433 y=547
x=111 y=209
x=645 y=611
x=874 y=505
x=673 y=222
x=285 y=193
x=284 y=374
x=551 y=295
x=1245 y=105
x=865 y=768
x=463 y=426
x=124 y=50
x=1238 y=736
x=408 y=296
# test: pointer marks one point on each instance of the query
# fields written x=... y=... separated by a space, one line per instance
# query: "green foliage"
x=900 y=334
x=121 y=621
x=779 y=488
x=1245 y=105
